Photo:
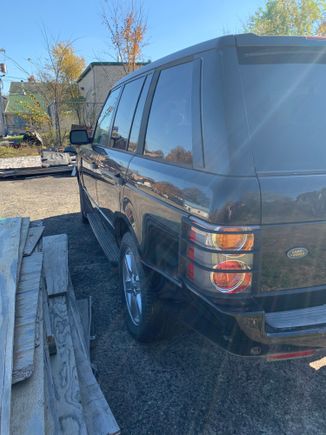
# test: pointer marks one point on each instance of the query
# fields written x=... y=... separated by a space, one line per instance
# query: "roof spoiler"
x=253 y=40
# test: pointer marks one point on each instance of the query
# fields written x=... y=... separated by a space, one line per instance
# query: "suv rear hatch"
x=284 y=89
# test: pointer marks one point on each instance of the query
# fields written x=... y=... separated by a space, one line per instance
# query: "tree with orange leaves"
x=322 y=29
x=127 y=27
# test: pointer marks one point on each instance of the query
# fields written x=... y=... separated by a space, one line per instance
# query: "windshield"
x=285 y=98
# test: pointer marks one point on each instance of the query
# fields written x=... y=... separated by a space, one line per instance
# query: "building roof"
x=20 y=99
x=105 y=64
x=25 y=87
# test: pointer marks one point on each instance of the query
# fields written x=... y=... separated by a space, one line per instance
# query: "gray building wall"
x=95 y=83
x=105 y=78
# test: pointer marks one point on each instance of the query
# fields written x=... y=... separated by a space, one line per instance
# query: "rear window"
x=285 y=97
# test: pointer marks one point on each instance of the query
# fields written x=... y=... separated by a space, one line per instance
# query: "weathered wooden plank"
x=27 y=297
x=9 y=252
x=49 y=336
x=83 y=306
x=55 y=249
x=63 y=364
x=98 y=415
x=23 y=238
x=21 y=162
x=52 y=158
x=50 y=411
x=28 y=398
x=36 y=223
x=34 y=235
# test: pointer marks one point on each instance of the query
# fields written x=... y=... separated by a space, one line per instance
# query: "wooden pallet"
x=47 y=385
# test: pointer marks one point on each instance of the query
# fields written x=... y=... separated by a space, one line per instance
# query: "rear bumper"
x=254 y=333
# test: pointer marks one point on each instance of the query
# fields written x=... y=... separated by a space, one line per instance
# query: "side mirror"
x=79 y=137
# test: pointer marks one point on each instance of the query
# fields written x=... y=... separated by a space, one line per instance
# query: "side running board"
x=105 y=237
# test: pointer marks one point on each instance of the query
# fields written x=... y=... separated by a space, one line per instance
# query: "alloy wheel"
x=131 y=286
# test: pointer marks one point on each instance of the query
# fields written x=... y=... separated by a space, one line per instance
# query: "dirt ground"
x=185 y=385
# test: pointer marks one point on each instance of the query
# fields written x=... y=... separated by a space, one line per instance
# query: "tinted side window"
x=133 y=140
x=101 y=135
x=125 y=113
x=169 y=130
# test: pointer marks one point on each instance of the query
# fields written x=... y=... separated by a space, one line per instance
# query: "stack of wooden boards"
x=50 y=162
x=47 y=385
x=21 y=162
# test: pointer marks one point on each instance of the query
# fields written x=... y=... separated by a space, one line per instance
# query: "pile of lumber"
x=21 y=162
x=47 y=385
x=50 y=162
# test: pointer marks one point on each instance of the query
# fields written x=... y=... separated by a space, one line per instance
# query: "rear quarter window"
x=169 y=129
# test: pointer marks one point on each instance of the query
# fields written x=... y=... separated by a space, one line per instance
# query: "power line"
x=14 y=61
x=13 y=77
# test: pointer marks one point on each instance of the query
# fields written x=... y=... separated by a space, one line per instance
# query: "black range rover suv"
x=205 y=180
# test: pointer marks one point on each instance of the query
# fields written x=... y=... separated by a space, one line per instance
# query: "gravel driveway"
x=182 y=386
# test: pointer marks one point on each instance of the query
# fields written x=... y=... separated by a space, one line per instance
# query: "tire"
x=149 y=321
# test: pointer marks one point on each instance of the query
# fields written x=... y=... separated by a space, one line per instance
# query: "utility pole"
x=3 y=129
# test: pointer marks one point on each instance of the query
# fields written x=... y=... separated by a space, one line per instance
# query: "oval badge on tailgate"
x=296 y=253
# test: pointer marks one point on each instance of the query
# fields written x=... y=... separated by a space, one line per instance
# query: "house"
x=24 y=99
x=94 y=84
x=3 y=126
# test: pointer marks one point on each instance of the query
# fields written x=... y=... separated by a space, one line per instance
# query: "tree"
x=179 y=154
x=32 y=111
x=127 y=27
x=56 y=79
x=289 y=17
x=322 y=29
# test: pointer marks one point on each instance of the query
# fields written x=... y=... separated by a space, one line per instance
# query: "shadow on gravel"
x=185 y=385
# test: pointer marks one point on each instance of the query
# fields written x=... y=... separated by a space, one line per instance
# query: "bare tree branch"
x=127 y=27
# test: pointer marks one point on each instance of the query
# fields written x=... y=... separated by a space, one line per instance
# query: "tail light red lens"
x=227 y=281
x=191 y=271
x=290 y=355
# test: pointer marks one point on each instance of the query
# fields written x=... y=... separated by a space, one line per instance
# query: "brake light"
x=191 y=266
x=290 y=355
x=191 y=271
x=231 y=282
x=213 y=257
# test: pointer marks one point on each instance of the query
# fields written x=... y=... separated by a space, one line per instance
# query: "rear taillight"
x=290 y=355
x=226 y=239
x=220 y=259
x=231 y=277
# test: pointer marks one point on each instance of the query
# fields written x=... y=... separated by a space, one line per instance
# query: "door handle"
x=118 y=179
x=115 y=178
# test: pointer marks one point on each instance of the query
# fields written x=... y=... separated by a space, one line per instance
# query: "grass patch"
x=7 y=152
x=17 y=138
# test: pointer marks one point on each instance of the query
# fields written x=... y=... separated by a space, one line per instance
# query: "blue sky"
x=172 y=25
